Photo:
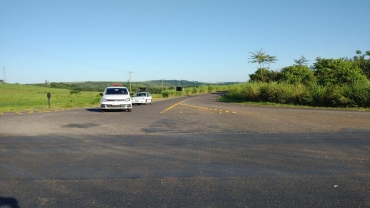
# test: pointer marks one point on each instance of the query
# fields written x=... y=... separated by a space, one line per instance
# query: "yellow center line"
x=195 y=106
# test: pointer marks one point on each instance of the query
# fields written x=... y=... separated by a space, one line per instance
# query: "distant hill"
x=153 y=86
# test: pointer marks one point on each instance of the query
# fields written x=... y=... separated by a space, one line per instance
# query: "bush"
x=337 y=72
x=187 y=91
x=349 y=95
x=357 y=94
x=297 y=75
x=203 y=89
x=75 y=91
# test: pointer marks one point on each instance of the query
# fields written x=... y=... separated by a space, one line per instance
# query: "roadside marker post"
x=48 y=96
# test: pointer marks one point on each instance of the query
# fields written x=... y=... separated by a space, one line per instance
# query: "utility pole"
x=162 y=85
x=4 y=76
x=130 y=72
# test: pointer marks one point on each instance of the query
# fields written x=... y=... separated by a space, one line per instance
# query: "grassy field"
x=15 y=97
x=21 y=98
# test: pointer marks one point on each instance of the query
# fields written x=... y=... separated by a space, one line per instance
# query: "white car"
x=142 y=98
x=116 y=98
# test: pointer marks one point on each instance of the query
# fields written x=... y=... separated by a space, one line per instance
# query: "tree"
x=297 y=74
x=261 y=58
x=363 y=63
x=301 y=62
x=337 y=71
x=270 y=59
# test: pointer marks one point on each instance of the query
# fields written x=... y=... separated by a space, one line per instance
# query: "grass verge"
x=15 y=98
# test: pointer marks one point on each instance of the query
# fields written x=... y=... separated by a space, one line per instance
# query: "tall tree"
x=271 y=59
x=261 y=58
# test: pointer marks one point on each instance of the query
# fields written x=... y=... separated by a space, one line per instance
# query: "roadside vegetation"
x=330 y=82
x=195 y=90
x=356 y=95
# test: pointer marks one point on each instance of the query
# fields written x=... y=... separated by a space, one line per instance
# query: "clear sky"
x=199 y=40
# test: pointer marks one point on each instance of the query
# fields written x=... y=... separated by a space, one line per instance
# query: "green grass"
x=15 y=97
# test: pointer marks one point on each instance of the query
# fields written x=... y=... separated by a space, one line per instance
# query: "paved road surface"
x=186 y=152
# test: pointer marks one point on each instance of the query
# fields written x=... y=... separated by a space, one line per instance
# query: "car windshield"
x=112 y=91
x=140 y=94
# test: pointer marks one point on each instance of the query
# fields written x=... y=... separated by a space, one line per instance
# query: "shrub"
x=297 y=75
x=357 y=94
x=164 y=94
x=337 y=72
x=75 y=91
x=203 y=89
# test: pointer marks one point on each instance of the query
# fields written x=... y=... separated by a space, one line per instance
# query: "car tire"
x=129 y=110
x=102 y=110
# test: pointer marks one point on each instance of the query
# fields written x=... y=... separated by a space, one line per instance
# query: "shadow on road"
x=8 y=202
x=96 y=110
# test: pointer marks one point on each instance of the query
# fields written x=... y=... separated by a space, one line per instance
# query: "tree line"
x=152 y=86
x=324 y=71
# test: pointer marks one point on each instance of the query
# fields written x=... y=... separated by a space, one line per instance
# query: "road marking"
x=220 y=111
x=33 y=112
x=172 y=106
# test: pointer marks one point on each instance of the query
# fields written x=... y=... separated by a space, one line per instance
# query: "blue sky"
x=200 y=40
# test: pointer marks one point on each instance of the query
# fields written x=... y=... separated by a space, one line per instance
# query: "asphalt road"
x=186 y=152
